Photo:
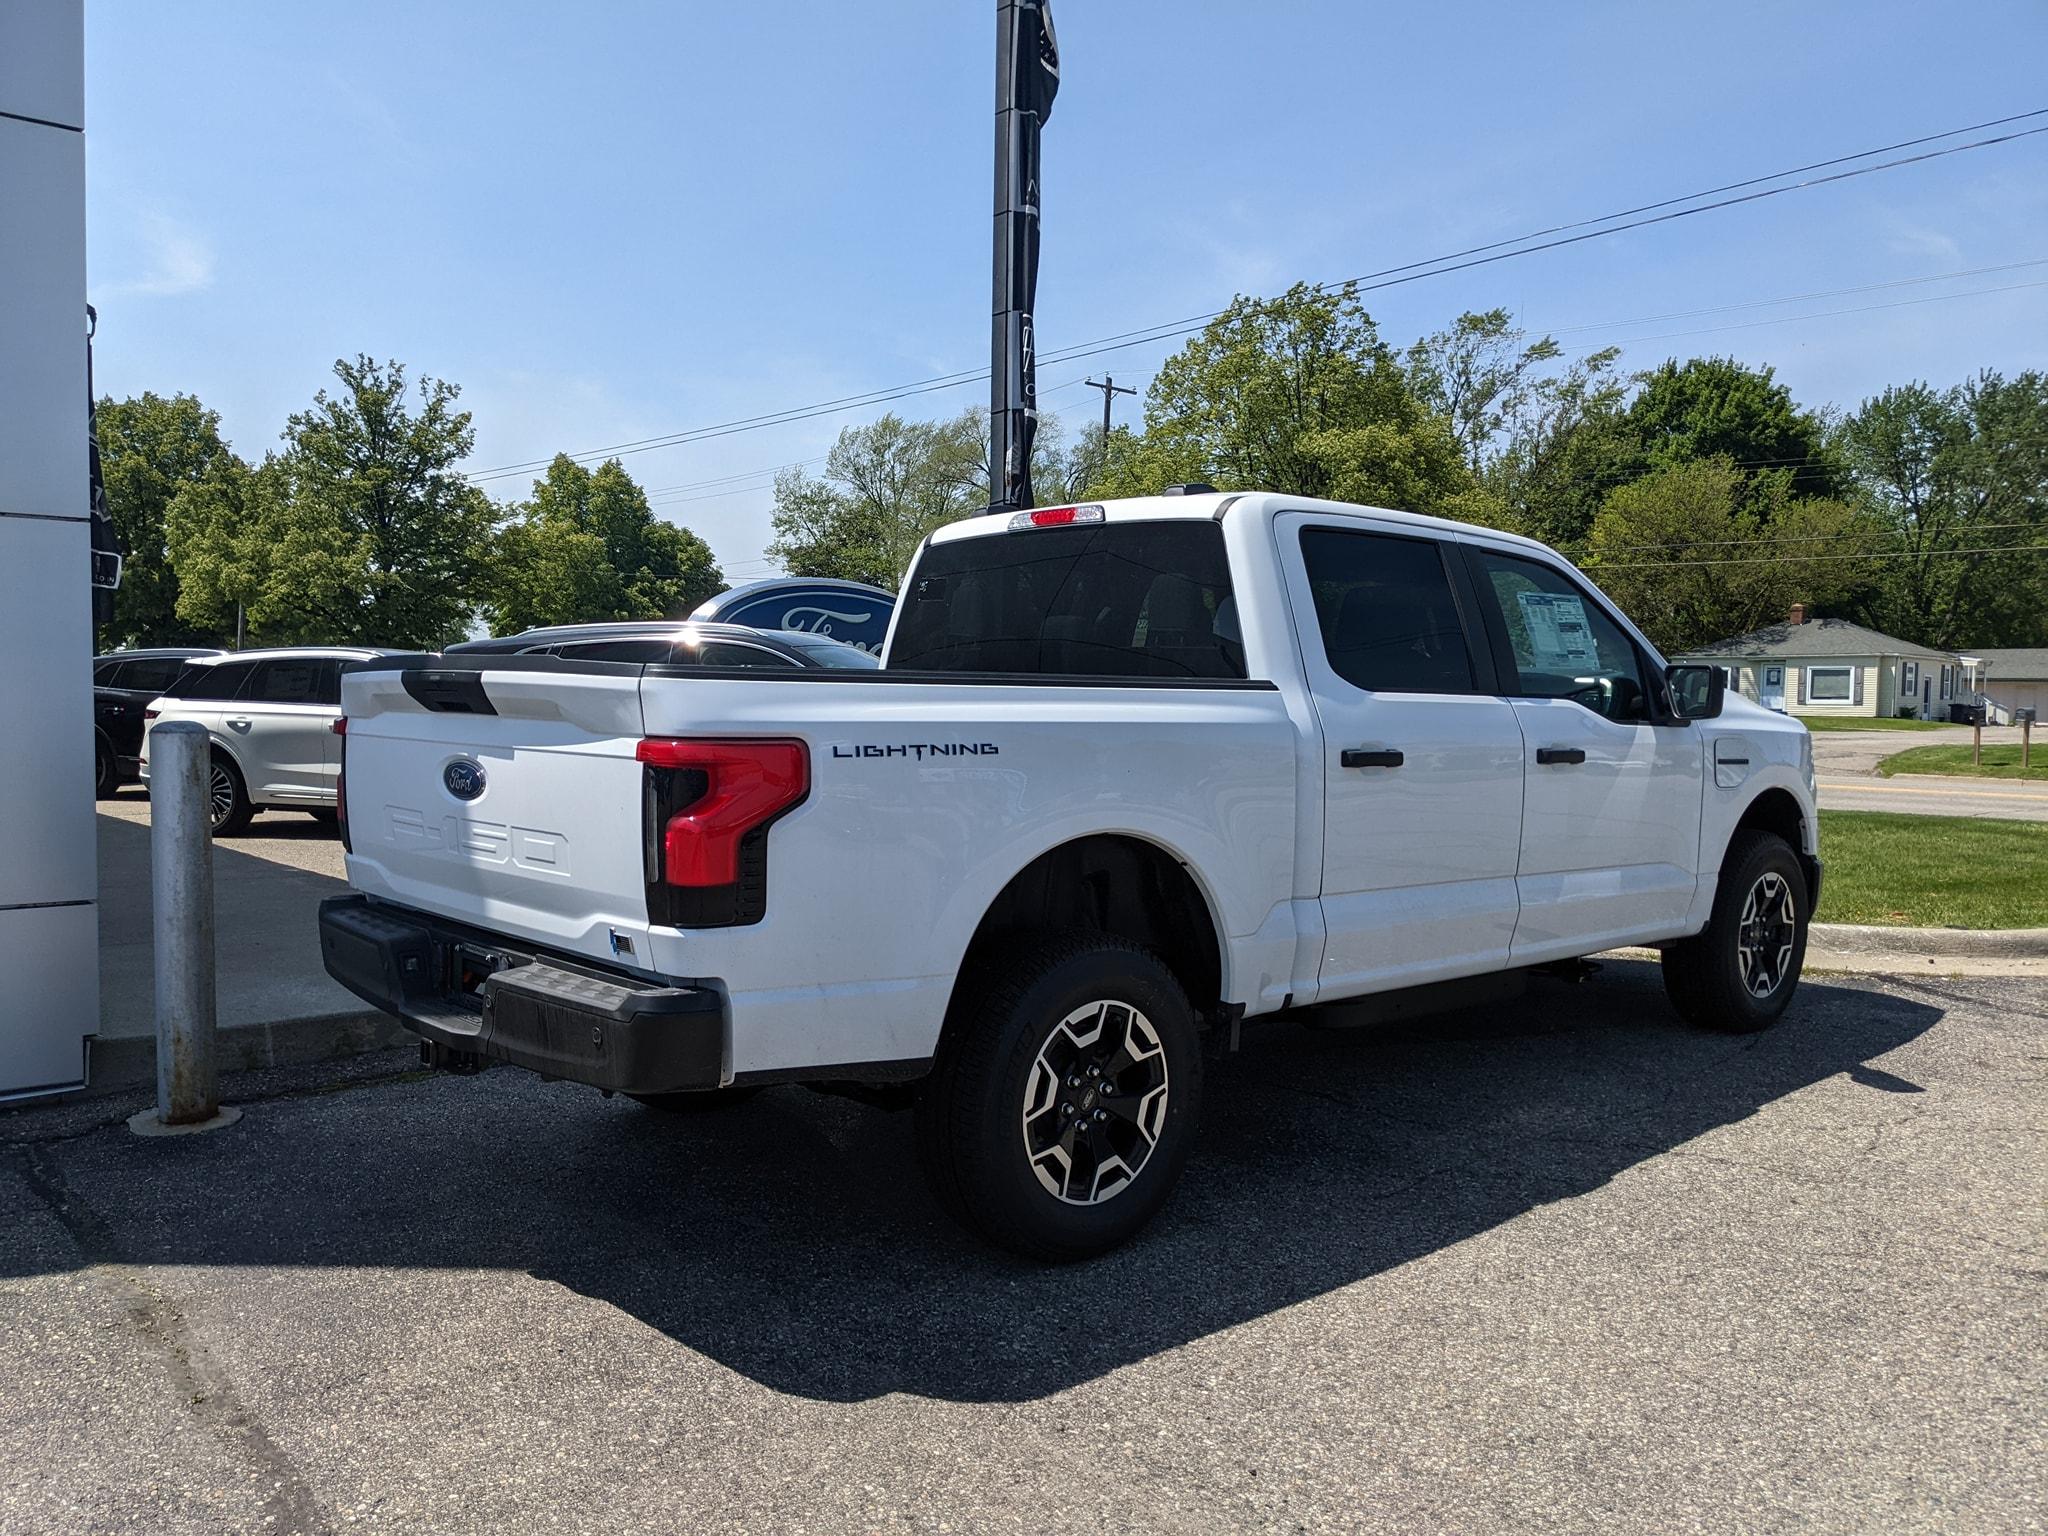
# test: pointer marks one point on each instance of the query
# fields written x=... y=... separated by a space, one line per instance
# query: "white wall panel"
x=46 y=807
x=51 y=1002
x=42 y=60
x=42 y=320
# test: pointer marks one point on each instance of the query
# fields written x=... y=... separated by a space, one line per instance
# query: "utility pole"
x=1109 y=387
x=1027 y=76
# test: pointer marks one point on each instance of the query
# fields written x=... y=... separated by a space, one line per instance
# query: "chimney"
x=1799 y=613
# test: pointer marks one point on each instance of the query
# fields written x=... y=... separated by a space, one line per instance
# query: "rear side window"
x=1384 y=605
x=223 y=681
x=155 y=672
x=308 y=680
x=1114 y=600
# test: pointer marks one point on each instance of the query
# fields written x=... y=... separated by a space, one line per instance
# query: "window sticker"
x=1560 y=639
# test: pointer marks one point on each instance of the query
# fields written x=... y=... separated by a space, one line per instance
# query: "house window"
x=1909 y=677
x=1829 y=685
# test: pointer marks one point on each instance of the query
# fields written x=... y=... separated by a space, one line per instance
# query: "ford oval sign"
x=464 y=779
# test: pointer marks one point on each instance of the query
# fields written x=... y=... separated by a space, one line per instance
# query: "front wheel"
x=1740 y=972
x=1062 y=1102
x=104 y=778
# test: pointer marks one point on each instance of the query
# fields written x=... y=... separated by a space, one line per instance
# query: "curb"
x=1955 y=943
x=129 y=1061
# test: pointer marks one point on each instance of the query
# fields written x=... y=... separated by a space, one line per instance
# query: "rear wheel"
x=104 y=778
x=1740 y=973
x=227 y=799
x=1061 y=1106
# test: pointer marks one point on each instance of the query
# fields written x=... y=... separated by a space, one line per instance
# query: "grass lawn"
x=1865 y=723
x=1933 y=871
x=2000 y=762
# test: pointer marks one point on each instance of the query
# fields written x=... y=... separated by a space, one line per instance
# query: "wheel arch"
x=1117 y=883
x=1778 y=811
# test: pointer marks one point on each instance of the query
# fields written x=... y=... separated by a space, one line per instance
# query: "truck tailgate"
x=507 y=798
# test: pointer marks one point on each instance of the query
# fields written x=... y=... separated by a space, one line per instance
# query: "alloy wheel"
x=1095 y=1102
x=1766 y=935
x=220 y=795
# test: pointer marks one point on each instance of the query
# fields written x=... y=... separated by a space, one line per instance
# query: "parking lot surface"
x=1559 y=1266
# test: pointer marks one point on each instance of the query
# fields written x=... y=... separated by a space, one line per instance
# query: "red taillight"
x=340 y=725
x=746 y=783
x=1056 y=517
x=150 y=714
x=1052 y=517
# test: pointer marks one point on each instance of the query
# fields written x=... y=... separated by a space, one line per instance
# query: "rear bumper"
x=562 y=1019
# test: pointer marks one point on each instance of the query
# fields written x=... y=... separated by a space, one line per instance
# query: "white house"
x=1812 y=666
x=2015 y=680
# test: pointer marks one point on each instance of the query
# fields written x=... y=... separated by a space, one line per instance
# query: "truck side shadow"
x=791 y=1239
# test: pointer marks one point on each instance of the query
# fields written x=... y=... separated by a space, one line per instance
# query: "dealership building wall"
x=49 y=938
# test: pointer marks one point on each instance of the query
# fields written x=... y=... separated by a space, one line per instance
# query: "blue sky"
x=610 y=222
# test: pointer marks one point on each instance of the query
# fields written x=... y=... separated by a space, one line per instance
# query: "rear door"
x=504 y=792
x=1611 y=812
x=1422 y=761
x=282 y=726
x=205 y=693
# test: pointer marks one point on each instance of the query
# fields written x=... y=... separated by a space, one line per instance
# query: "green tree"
x=889 y=483
x=1296 y=393
x=587 y=546
x=1714 y=406
x=151 y=448
x=360 y=530
x=1958 y=478
x=1699 y=551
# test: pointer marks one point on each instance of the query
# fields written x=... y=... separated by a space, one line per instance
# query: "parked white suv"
x=272 y=716
x=1130 y=773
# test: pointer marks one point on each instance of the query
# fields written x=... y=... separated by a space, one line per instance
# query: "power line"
x=1456 y=261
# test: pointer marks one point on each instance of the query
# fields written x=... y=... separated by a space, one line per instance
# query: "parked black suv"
x=124 y=683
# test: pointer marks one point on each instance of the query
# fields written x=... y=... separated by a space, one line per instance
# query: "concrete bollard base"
x=145 y=1123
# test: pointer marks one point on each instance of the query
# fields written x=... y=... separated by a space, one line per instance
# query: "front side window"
x=1138 y=599
x=1563 y=644
x=1828 y=685
x=726 y=653
x=1383 y=603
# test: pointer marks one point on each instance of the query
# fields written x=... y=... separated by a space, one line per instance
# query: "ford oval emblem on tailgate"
x=464 y=778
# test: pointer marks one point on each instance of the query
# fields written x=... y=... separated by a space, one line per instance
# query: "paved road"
x=1937 y=795
x=1846 y=764
x=1559 y=1267
x=268 y=885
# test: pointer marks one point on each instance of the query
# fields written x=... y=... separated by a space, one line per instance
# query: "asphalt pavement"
x=1845 y=763
x=1556 y=1267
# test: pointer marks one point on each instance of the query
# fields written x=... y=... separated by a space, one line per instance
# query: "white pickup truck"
x=1130 y=773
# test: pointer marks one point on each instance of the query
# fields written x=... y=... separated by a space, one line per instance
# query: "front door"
x=1771 y=690
x=1422 y=760
x=1611 y=811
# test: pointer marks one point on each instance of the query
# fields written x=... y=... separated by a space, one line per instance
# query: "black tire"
x=1114 y=1145
x=227 y=798
x=698 y=1102
x=105 y=780
x=1737 y=976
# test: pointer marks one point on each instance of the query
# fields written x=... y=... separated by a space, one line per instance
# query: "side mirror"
x=1696 y=692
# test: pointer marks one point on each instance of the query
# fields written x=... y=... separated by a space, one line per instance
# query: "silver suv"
x=272 y=717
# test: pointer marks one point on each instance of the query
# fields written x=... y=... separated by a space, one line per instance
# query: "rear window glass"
x=157 y=672
x=308 y=680
x=1146 y=599
x=223 y=681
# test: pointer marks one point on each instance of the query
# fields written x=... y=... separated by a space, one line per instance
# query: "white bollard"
x=181 y=885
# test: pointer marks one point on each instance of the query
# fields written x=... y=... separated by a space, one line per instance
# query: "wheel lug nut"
x=1102 y=1114
x=1067 y=1110
x=1095 y=1071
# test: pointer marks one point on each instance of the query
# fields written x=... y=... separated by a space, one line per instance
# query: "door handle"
x=239 y=722
x=1361 y=757
x=1560 y=754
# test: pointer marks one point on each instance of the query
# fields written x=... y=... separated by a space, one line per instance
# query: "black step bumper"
x=480 y=998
